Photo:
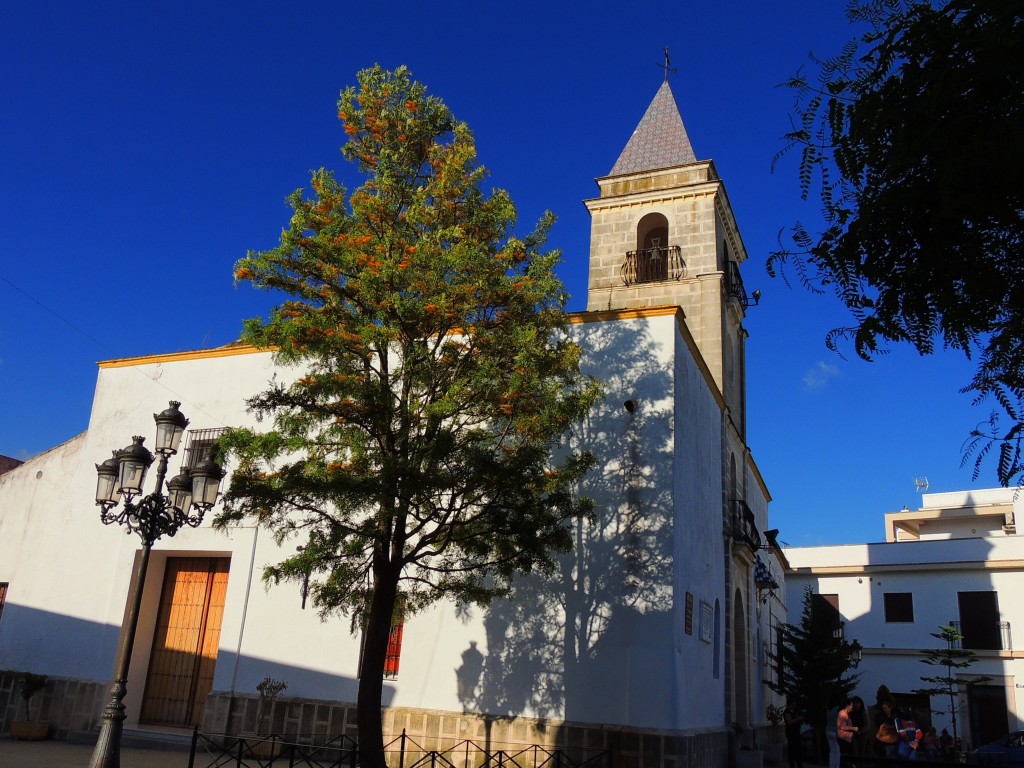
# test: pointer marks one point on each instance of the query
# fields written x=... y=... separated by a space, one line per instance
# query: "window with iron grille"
x=199 y=447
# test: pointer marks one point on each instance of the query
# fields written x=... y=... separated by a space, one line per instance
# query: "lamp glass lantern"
x=106 y=481
x=179 y=491
x=856 y=653
x=133 y=462
x=206 y=484
x=170 y=425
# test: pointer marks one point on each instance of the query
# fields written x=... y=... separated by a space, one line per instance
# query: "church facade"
x=650 y=640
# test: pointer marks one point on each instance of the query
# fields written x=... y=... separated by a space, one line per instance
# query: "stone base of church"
x=309 y=721
x=68 y=705
x=75 y=706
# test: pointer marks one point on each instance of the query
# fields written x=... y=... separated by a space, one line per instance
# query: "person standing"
x=845 y=731
x=887 y=735
x=794 y=748
x=859 y=718
x=830 y=737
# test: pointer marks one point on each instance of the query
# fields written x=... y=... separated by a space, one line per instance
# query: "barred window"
x=199 y=448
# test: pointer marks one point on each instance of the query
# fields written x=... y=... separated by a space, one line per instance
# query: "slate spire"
x=659 y=141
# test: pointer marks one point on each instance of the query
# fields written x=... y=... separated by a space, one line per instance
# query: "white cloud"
x=818 y=375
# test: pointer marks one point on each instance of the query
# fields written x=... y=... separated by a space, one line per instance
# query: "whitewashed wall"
x=70 y=575
x=934 y=571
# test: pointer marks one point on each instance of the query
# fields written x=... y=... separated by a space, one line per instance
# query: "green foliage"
x=910 y=136
x=814 y=663
x=951 y=657
x=422 y=450
x=30 y=685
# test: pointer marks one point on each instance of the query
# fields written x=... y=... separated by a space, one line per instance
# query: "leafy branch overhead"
x=909 y=137
x=420 y=448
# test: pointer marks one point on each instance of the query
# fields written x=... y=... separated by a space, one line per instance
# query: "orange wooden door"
x=185 y=641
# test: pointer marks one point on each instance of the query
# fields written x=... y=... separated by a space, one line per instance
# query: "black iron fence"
x=216 y=750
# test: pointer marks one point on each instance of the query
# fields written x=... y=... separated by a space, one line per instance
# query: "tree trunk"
x=371 y=674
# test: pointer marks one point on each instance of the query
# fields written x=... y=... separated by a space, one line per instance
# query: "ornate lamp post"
x=856 y=654
x=189 y=496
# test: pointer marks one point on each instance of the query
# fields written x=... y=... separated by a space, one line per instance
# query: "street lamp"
x=856 y=653
x=190 y=495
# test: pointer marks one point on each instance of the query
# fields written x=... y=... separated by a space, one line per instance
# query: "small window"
x=3 y=596
x=826 y=607
x=199 y=448
x=899 y=607
x=688 y=616
x=707 y=621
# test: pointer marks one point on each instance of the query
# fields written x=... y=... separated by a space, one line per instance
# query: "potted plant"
x=265 y=744
x=773 y=750
x=30 y=729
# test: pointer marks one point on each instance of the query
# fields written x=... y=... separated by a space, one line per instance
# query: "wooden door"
x=185 y=641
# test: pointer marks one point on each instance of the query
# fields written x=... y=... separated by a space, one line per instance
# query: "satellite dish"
x=920 y=484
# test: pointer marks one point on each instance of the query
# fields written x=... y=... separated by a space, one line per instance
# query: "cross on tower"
x=666 y=66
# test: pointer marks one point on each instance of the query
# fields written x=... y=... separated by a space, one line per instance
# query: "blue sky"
x=147 y=146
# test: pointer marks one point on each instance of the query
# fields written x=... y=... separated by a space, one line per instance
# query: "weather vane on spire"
x=666 y=66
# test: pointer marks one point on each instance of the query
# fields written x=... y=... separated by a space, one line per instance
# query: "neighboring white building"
x=957 y=560
x=659 y=624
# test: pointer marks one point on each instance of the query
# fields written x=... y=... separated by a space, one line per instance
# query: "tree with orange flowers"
x=424 y=453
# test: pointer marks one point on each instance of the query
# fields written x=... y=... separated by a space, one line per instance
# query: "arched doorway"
x=652 y=248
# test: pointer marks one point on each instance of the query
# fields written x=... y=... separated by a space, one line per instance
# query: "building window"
x=3 y=596
x=899 y=607
x=688 y=616
x=826 y=607
x=979 y=620
x=199 y=448
x=394 y=653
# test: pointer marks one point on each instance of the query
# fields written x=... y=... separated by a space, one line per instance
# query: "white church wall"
x=657 y=480
x=699 y=565
x=57 y=567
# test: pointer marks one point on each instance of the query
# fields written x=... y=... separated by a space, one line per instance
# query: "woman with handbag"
x=887 y=735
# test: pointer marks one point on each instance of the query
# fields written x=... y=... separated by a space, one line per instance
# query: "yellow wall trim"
x=176 y=357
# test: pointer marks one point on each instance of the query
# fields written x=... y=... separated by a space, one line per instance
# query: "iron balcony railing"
x=734 y=284
x=652 y=265
x=745 y=525
x=987 y=636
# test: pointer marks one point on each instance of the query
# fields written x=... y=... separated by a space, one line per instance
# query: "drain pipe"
x=241 y=629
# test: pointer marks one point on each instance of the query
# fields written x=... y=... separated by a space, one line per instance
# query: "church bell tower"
x=663 y=233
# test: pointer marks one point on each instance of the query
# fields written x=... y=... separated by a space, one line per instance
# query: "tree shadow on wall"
x=591 y=641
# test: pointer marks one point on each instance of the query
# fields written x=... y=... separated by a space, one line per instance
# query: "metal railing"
x=734 y=284
x=217 y=750
x=471 y=754
x=983 y=637
x=652 y=265
x=745 y=524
